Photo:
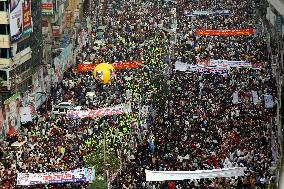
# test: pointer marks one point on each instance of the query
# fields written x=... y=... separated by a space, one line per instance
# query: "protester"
x=181 y=121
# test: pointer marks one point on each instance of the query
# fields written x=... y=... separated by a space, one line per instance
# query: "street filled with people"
x=180 y=120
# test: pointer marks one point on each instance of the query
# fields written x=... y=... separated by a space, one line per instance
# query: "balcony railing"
x=5 y=41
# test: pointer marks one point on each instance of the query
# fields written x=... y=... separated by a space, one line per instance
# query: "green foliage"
x=98 y=184
x=96 y=159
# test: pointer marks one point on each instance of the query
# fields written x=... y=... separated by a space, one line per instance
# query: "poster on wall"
x=12 y=111
x=27 y=20
x=16 y=19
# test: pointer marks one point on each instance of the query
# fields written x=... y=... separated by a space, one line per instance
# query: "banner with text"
x=180 y=66
x=77 y=175
x=116 y=65
x=209 y=13
x=116 y=110
x=247 y=31
x=47 y=7
x=229 y=63
x=198 y=174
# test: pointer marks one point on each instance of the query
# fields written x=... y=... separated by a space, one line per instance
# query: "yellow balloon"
x=104 y=73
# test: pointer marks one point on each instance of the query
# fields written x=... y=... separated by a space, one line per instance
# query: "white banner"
x=235 y=97
x=116 y=110
x=207 y=13
x=255 y=98
x=268 y=101
x=190 y=175
x=229 y=63
x=26 y=115
x=180 y=66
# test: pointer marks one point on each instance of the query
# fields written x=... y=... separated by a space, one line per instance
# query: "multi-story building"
x=20 y=45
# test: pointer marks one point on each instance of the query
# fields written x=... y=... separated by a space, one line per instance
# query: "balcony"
x=5 y=62
x=5 y=41
x=4 y=17
x=22 y=57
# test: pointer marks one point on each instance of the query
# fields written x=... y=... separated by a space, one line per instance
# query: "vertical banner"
x=12 y=110
x=2 y=135
x=268 y=101
x=255 y=98
x=235 y=97
x=27 y=21
x=278 y=24
x=16 y=19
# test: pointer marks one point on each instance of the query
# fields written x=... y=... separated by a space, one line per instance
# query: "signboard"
x=27 y=21
x=16 y=19
x=278 y=24
x=46 y=7
x=77 y=175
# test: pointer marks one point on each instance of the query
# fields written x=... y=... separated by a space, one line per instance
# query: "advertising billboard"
x=27 y=19
x=16 y=19
x=46 y=7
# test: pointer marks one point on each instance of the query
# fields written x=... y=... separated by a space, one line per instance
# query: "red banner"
x=116 y=65
x=247 y=31
x=26 y=14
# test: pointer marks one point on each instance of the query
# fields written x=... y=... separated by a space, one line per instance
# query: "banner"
x=268 y=101
x=209 y=13
x=180 y=66
x=77 y=175
x=198 y=174
x=116 y=110
x=47 y=7
x=235 y=97
x=255 y=98
x=116 y=65
x=248 y=31
x=16 y=19
x=229 y=63
x=12 y=111
x=25 y=113
x=1 y=124
x=27 y=21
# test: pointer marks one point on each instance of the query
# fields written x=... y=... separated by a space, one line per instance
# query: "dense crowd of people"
x=179 y=120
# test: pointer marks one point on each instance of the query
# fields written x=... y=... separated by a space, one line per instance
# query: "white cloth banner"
x=268 y=101
x=255 y=98
x=207 y=13
x=116 y=110
x=25 y=113
x=235 y=97
x=180 y=66
x=229 y=63
x=190 y=175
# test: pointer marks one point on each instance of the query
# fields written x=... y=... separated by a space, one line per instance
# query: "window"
x=3 y=75
x=4 y=29
x=23 y=44
x=4 y=6
x=5 y=53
